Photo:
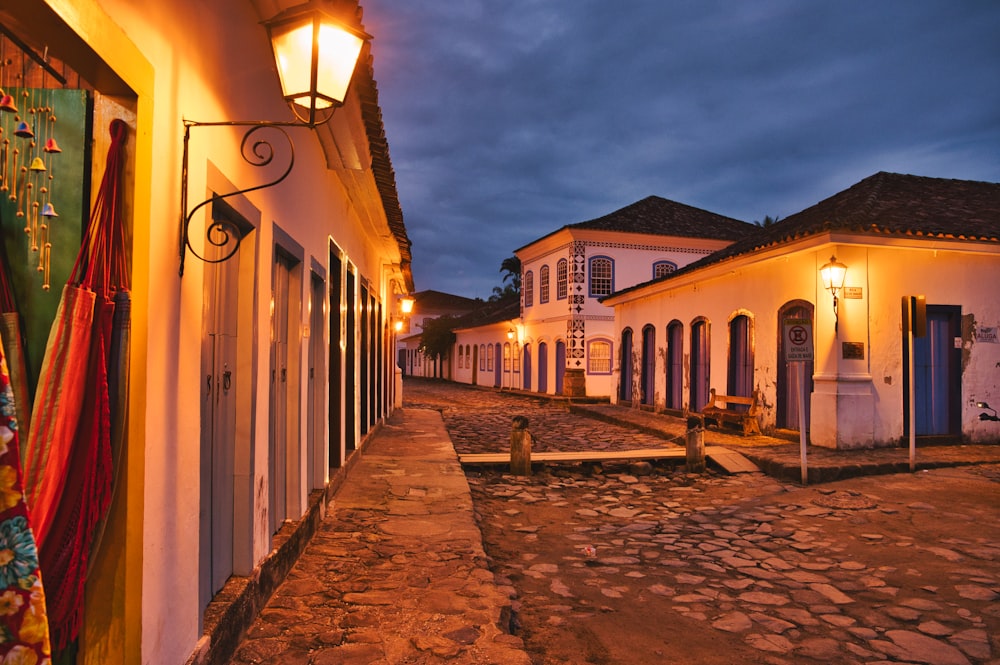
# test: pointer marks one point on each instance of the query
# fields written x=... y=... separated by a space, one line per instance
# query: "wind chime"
x=27 y=150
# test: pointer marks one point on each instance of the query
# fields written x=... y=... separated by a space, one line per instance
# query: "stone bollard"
x=520 y=447
x=695 y=444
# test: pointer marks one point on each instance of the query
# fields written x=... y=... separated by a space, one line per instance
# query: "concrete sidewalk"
x=780 y=457
x=396 y=572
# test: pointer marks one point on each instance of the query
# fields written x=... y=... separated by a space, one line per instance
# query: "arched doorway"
x=526 y=374
x=543 y=367
x=700 y=365
x=625 y=376
x=560 y=366
x=739 y=375
x=788 y=386
x=648 y=365
x=675 y=365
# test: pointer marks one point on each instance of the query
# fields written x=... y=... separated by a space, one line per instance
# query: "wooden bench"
x=720 y=410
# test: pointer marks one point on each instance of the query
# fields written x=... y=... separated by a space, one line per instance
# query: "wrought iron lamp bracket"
x=256 y=151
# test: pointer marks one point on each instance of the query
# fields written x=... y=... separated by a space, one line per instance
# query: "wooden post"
x=695 y=445
x=520 y=447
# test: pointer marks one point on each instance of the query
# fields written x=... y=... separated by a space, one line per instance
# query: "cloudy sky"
x=508 y=119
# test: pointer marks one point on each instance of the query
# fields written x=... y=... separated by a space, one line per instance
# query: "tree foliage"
x=511 y=269
x=437 y=337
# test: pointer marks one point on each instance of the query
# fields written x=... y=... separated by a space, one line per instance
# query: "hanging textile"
x=12 y=336
x=24 y=630
x=58 y=400
x=72 y=474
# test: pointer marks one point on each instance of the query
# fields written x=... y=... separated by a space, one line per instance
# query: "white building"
x=569 y=338
x=487 y=350
x=254 y=380
x=428 y=305
x=722 y=322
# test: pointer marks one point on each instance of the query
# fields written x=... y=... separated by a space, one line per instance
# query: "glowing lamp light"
x=834 y=273
x=316 y=54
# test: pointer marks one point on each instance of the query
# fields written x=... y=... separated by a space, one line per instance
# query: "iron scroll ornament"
x=255 y=151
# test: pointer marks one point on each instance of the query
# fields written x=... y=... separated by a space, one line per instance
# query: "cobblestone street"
x=639 y=563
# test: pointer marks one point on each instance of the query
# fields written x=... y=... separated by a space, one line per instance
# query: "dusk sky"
x=507 y=120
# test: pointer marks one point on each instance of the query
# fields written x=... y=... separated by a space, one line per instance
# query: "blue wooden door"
x=560 y=366
x=543 y=367
x=937 y=372
x=526 y=356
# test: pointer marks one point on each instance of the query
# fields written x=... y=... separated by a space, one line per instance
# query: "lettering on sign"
x=987 y=335
x=798 y=340
x=853 y=293
x=853 y=350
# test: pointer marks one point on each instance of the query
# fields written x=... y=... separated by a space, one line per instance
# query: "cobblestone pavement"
x=416 y=562
x=396 y=573
x=639 y=564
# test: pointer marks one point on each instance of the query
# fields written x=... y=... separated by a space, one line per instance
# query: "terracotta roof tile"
x=430 y=301
x=885 y=204
x=658 y=216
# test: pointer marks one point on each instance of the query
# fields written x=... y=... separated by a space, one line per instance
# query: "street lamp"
x=316 y=51
x=833 y=273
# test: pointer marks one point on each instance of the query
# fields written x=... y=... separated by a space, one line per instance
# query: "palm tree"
x=511 y=267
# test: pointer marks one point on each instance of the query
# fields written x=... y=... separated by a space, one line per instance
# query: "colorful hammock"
x=24 y=629
x=69 y=461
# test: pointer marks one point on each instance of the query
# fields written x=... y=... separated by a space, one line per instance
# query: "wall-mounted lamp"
x=316 y=52
x=833 y=273
x=511 y=334
x=406 y=304
x=398 y=325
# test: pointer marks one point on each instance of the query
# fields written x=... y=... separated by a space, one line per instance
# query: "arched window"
x=506 y=357
x=599 y=357
x=529 y=288
x=543 y=284
x=661 y=268
x=489 y=357
x=562 y=277
x=482 y=357
x=602 y=276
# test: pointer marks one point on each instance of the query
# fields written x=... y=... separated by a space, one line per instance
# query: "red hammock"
x=69 y=461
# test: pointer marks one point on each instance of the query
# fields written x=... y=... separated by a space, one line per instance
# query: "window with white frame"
x=599 y=357
x=529 y=288
x=601 y=276
x=482 y=357
x=661 y=268
x=543 y=284
x=562 y=278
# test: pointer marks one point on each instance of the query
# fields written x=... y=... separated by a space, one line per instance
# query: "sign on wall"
x=798 y=340
x=987 y=334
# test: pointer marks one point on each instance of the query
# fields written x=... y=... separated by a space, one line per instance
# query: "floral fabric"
x=24 y=627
